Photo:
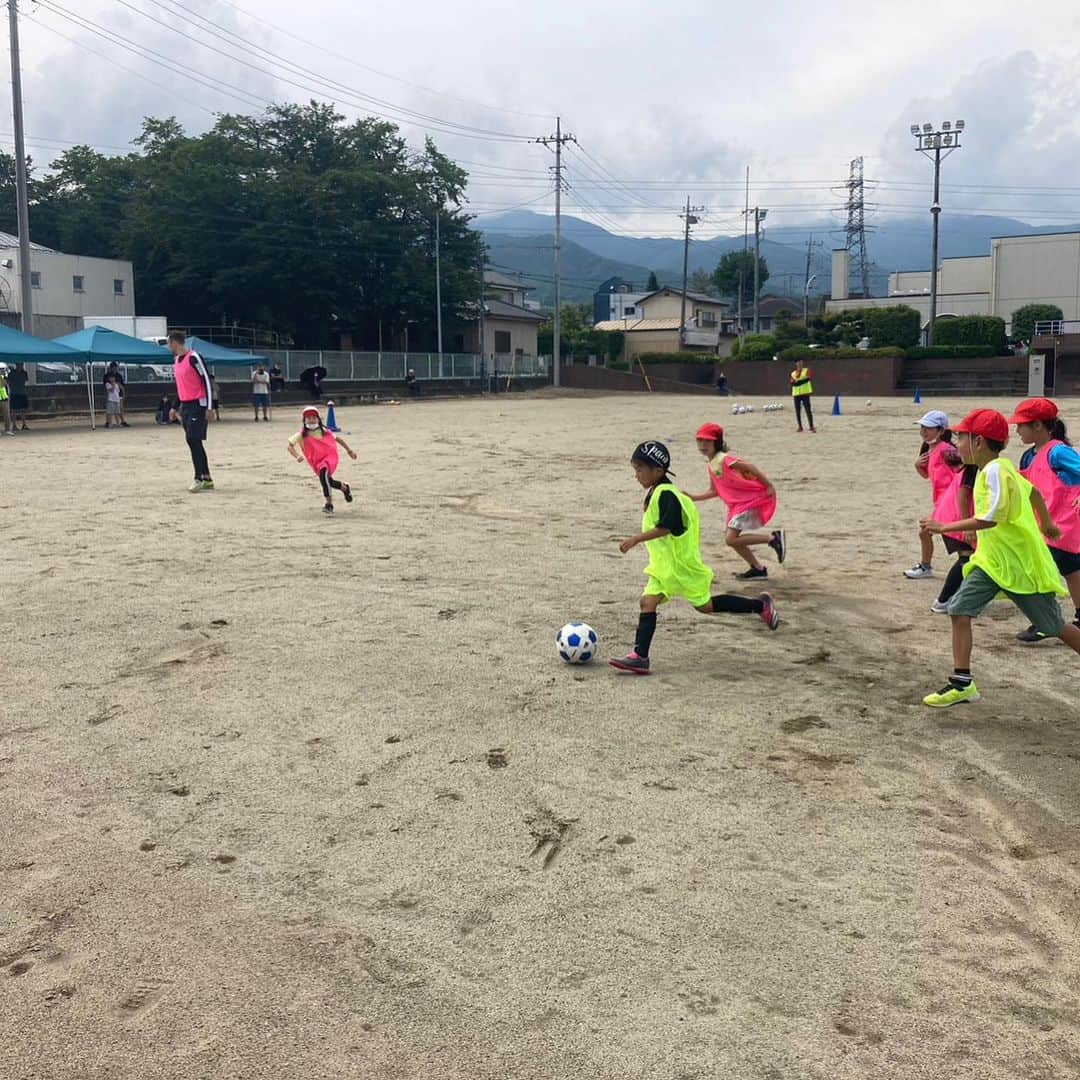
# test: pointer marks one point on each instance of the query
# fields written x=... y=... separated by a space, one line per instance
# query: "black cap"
x=653 y=453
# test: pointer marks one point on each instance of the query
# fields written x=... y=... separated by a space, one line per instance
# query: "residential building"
x=65 y=288
x=616 y=298
x=510 y=324
x=654 y=326
x=1020 y=270
x=770 y=310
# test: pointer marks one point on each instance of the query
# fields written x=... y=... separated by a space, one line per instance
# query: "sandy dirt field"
x=291 y=797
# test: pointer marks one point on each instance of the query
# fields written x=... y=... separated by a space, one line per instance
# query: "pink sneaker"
x=637 y=665
x=769 y=615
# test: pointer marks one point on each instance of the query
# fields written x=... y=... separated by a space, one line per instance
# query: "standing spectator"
x=113 y=372
x=113 y=398
x=802 y=390
x=411 y=384
x=277 y=378
x=20 y=400
x=5 y=401
x=215 y=408
x=196 y=395
x=260 y=392
x=311 y=379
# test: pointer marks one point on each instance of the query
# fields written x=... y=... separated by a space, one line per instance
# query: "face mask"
x=310 y=425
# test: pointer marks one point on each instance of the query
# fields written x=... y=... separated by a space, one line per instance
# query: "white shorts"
x=747 y=521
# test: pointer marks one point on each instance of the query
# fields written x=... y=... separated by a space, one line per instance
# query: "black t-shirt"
x=671 y=515
x=17 y=380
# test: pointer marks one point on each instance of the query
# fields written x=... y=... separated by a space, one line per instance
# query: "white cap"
x=934 y=418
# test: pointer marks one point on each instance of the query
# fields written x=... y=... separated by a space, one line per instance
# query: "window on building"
x=35 y=279
x=78 y=283
x=502 y=341
x=628 y=310
x=118 y=286
x=706 y=318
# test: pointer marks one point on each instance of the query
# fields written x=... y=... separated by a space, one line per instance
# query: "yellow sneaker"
x=951 y=695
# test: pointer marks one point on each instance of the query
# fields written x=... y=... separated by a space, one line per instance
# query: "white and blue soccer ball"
x=577 y=643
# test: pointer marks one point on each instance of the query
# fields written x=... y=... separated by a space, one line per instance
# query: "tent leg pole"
x=90 y=395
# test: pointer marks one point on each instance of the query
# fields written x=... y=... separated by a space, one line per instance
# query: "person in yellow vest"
x=1012 y=558
x=670 y=531
x=5 y=402
x=802 y=390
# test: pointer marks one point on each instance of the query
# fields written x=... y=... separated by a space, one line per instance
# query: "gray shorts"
x=980 y=589
x=113 y=408
x=747 y=521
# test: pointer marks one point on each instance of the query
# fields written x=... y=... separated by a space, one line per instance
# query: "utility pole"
x=483 y=353
x=21 y=183
x=689 y=218
x=438 y=295
x=759 y=217
x=930 y=143
x=742 y=265
x=558 y=139
x=808 y=280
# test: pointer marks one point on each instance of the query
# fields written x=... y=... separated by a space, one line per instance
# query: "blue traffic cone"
x=836 y=405
x=918 y=396
x=331 y=419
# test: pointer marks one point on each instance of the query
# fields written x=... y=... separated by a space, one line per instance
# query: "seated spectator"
x=411 y=383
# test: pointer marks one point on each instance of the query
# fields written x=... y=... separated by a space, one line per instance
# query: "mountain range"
x=521 y=242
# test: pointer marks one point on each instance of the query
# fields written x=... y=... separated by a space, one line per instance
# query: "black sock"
x=736 y=605
x=953 y=580
x=646 y=627
x=961 y=678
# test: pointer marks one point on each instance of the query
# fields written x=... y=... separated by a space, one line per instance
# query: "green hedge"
x=757 y=347
x=899 y=325
x=948 y=352
x=801 y=352
x=985 y=330
x=676 y=358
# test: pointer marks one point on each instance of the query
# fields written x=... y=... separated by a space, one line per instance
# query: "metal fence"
x=340 y=366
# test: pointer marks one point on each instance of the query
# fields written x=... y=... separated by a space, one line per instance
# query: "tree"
x=726 y=275
x=983 y=330
x=1025 y=318
x=654 y=282
x=898 y=325
x=294 y=219
x=701 y=281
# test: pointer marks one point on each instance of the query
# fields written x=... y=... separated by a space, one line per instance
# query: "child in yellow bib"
x=1012 y=557
x=670 y=531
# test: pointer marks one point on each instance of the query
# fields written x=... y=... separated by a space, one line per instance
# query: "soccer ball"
x=576 y=642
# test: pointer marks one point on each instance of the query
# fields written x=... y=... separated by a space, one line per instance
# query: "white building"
x=1020 y=270
x=65 y=288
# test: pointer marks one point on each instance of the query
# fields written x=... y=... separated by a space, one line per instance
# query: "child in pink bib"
x=319 y=447
x=750 y=498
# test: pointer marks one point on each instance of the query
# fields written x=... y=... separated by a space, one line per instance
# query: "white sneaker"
x=938 y=608
x=9 y=432
x=919 y=570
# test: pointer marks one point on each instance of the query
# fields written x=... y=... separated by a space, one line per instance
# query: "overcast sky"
x=664 y=105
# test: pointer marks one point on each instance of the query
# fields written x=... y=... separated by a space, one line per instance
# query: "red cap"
x=1036 y=408
x=988 y=423
x=710 y=431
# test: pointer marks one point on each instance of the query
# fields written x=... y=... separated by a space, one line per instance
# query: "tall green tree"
x=726 y=274
x=701 y=281
x=654 y=282
x=295 y=220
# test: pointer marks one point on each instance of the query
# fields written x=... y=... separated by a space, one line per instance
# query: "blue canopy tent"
x=98 y=345
x=19 y=348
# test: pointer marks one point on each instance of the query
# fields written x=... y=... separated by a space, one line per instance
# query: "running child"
x=320 y=448
x=1053 y=466
x=670 y=531
x=937 y=462
x=750 y=498
x=1011 y=556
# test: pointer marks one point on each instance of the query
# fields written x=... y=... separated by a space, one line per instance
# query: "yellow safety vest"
x=806 y=388
x=3 y=389
x=1013 y=553
x=675 y=565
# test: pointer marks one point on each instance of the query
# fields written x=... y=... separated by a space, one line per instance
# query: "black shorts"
x=193 y=416
x=1068 y=562
x=957 y=547
x=20 y=403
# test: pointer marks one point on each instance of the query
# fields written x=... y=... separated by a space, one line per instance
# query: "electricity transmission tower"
x=855 y=230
